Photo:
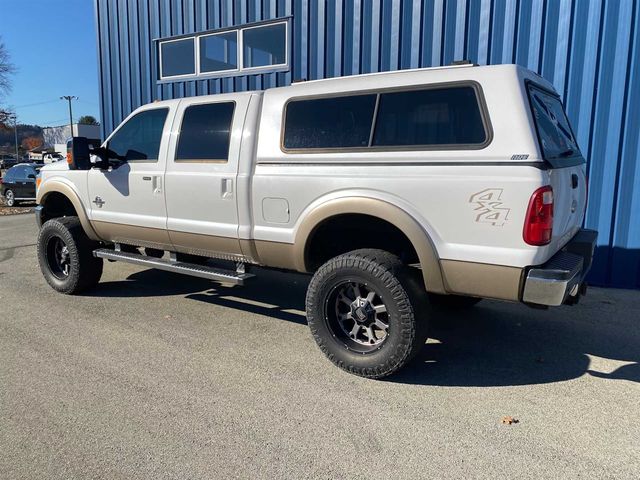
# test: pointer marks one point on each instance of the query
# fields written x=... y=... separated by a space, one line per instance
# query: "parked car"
x=52 y=158
x=7 y=161
x=19 y=183
x=394 y=190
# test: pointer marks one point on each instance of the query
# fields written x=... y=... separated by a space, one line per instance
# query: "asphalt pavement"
x=154 y=375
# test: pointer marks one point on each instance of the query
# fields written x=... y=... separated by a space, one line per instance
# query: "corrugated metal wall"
x=589 y=49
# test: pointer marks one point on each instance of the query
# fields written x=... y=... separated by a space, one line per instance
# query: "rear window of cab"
x=555 y=136
x=429 y=118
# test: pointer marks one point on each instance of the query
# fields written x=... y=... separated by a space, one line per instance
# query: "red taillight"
x=538 y=224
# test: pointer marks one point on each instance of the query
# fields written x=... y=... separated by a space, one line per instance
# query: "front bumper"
x=560 y=279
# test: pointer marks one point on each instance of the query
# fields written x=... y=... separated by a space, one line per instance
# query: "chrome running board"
x=211 y=273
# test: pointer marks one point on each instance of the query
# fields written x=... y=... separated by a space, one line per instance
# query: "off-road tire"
x=10 y=198
x=84 y=270
x=398 y=286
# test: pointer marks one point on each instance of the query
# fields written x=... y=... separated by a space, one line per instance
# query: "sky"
x=52 y=43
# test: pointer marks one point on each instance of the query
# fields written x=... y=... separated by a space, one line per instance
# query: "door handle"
x=227 y=188
x=157 y=184
x=574 y=181
x=147 y=179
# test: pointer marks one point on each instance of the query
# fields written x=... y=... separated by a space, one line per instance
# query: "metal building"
x=589 y=49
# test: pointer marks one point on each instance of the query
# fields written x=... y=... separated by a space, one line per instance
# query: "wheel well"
x=57 y=205
x=346 y=232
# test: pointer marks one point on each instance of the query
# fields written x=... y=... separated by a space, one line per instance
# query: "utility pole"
x=15 y=131
x=69 y=98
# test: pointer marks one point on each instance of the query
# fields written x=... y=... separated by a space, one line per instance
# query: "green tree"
x=88 y=120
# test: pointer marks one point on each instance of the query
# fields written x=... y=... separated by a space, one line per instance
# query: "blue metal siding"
x=589 y=49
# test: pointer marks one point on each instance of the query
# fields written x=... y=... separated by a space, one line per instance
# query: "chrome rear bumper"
x=559 y=280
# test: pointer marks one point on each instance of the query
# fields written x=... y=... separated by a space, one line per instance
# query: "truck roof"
x=427 y=74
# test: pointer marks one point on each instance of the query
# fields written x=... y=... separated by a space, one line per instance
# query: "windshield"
x=554 y=132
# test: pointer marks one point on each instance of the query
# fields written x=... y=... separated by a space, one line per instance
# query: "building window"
x=205 y=133
x=219 y=52
x=264 y=46
x=177 y=58
x=244 y=50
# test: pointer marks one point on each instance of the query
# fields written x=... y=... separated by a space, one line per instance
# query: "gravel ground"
x=154 y=375
x=24 y=208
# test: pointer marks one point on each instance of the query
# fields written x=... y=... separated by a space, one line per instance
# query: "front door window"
x=139 y=138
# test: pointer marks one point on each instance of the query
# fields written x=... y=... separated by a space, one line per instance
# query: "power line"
x=89 y=103
x=35 y=104
x=53 y=121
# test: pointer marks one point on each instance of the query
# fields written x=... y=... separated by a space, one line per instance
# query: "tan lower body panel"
x=133 y=235
x=206 y=245
x=481 y=279
x=197 y=244
x=276 y=254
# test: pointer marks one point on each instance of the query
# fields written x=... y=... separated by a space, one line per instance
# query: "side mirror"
x=78 y=154
x=99 y=158
x=104 y=159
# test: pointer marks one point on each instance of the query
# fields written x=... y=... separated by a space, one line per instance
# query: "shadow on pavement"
x=499 y=344
x=272 y=294
x=491 y=344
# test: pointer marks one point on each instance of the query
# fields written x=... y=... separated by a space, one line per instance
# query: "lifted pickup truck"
x=398 y=191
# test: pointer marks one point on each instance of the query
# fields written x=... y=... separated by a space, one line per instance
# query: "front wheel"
x=366 y=312
x=65 y=255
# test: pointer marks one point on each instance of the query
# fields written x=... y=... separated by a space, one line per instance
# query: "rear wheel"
x=65 y=255
x=10 y=198
x=366 y=312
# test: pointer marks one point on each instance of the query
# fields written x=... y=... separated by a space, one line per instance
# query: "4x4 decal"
x=490 y=208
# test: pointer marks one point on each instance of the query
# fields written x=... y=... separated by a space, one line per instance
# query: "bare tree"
x=6 y=70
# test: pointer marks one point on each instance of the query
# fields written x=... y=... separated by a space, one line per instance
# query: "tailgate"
x=570 y=197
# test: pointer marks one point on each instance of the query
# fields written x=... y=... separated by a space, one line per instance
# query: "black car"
x=19 y=183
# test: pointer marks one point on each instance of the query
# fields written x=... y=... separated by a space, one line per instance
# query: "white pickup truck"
x=400 y=192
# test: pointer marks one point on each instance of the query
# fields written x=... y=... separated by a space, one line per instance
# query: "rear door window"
x=19 y=174
x=205 y=133
x=443 y=117
x=336 y=122
x=554 y=131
